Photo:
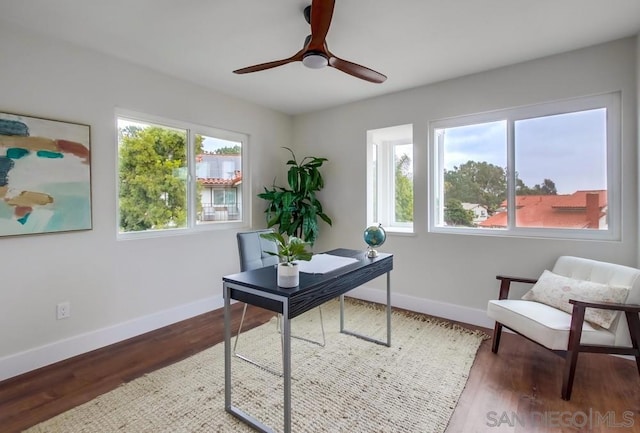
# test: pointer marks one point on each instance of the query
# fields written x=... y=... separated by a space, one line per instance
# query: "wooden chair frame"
x=631 y=311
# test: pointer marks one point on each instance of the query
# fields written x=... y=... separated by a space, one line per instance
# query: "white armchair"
x=577 y=286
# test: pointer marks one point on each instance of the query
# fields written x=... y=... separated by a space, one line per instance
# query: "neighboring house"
x=480 y=213
x=580 y=210
x=220 y=177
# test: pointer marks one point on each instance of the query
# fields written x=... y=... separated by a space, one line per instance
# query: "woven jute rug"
x=350 y=385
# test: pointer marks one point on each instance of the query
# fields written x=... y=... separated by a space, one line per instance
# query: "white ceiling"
x=413 y=42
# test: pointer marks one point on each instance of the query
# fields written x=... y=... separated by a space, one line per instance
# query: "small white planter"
x=288 y=275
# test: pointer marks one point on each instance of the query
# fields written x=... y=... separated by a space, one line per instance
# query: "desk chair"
x=251 y=249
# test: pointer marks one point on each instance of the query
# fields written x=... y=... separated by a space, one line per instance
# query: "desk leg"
x=388 y=309
x=388 y=312
x=341 y=313
x=227 y=348
x=228 y=406
x=286 y=367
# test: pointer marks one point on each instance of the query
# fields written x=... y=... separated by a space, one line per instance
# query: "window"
x=390 y=178
x=175 y=177
x=548 y=170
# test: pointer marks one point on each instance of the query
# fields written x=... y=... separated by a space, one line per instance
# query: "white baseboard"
x=444 y=310
x=19 y=363
x=35 y=358
x=23 y=362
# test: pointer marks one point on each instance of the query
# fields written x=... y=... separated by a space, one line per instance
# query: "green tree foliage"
x=477 y=182
x=456 y=215
x=228 y=150
x=404 y=190
x=521 y=188
x=486 y=184
x=547 y=187
x=153 y=169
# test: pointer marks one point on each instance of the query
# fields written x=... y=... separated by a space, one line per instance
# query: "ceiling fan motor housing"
x=315 y=60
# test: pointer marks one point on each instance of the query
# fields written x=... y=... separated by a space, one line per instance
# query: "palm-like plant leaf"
x=295 y=210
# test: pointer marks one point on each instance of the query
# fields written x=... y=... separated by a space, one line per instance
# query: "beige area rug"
x=350 y=385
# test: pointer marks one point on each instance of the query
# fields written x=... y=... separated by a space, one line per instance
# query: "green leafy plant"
x=289 y=249
x=295 y=210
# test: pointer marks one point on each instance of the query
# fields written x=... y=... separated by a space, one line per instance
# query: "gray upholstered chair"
x=553 y=316
x=251 y=250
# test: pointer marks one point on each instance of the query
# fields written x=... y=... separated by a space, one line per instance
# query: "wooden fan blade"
x=321 y=14
x=356 y=70
x=297 y=57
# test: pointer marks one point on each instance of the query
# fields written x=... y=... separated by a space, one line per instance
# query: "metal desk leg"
x=388 y=309
x=238 y=413
x=364 y=337
x=286 y=365
x=227 y=348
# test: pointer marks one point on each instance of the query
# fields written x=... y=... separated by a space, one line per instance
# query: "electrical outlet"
x=63 y=310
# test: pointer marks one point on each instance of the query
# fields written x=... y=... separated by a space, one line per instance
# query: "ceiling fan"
x=315 y=54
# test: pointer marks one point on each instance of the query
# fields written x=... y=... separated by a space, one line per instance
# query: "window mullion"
x=191 y=176
x=385 y=193
x=439 y=177
x=391 y=173
x=511 y=175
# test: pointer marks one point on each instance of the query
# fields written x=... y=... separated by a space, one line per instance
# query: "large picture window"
x=548 y=170
x=174 y=176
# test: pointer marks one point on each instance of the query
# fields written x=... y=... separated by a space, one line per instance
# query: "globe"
x=374 y=236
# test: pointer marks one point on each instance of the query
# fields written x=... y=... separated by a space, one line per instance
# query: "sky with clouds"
x=569 y=149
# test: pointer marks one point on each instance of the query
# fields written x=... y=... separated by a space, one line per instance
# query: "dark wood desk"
x=259 y=287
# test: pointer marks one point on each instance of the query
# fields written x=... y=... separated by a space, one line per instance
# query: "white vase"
x=288 y=275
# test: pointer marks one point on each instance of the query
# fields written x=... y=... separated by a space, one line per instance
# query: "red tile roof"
x=554 y=211
x=214 y=181
x=578 y=199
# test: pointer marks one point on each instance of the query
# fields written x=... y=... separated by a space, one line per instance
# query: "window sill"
x=401 y=231
x=557 y=234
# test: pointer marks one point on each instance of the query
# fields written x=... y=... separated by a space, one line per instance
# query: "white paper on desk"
x=323 y=263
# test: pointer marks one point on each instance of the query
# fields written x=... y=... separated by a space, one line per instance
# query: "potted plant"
x=289 y=250
x=295 y=210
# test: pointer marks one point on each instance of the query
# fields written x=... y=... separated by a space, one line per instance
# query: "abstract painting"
x=45 y=175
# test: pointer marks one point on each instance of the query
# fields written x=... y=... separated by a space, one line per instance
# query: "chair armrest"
x=577 y=320
x=505 y=284
x=517 y=279
x=630 y=308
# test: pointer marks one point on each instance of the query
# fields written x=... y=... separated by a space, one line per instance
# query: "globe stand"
x=371 y=253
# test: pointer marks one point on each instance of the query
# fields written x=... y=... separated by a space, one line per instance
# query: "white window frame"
x=610 y=101
x=192 y=130
x=385 y=177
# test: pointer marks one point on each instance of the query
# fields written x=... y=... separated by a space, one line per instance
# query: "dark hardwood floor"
x=517 y=390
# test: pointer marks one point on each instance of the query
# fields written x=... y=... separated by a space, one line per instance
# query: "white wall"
x=119 y=288
x=116 y=288
x=459 y=270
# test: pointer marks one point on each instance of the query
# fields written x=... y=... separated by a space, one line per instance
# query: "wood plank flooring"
x=517 y=390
